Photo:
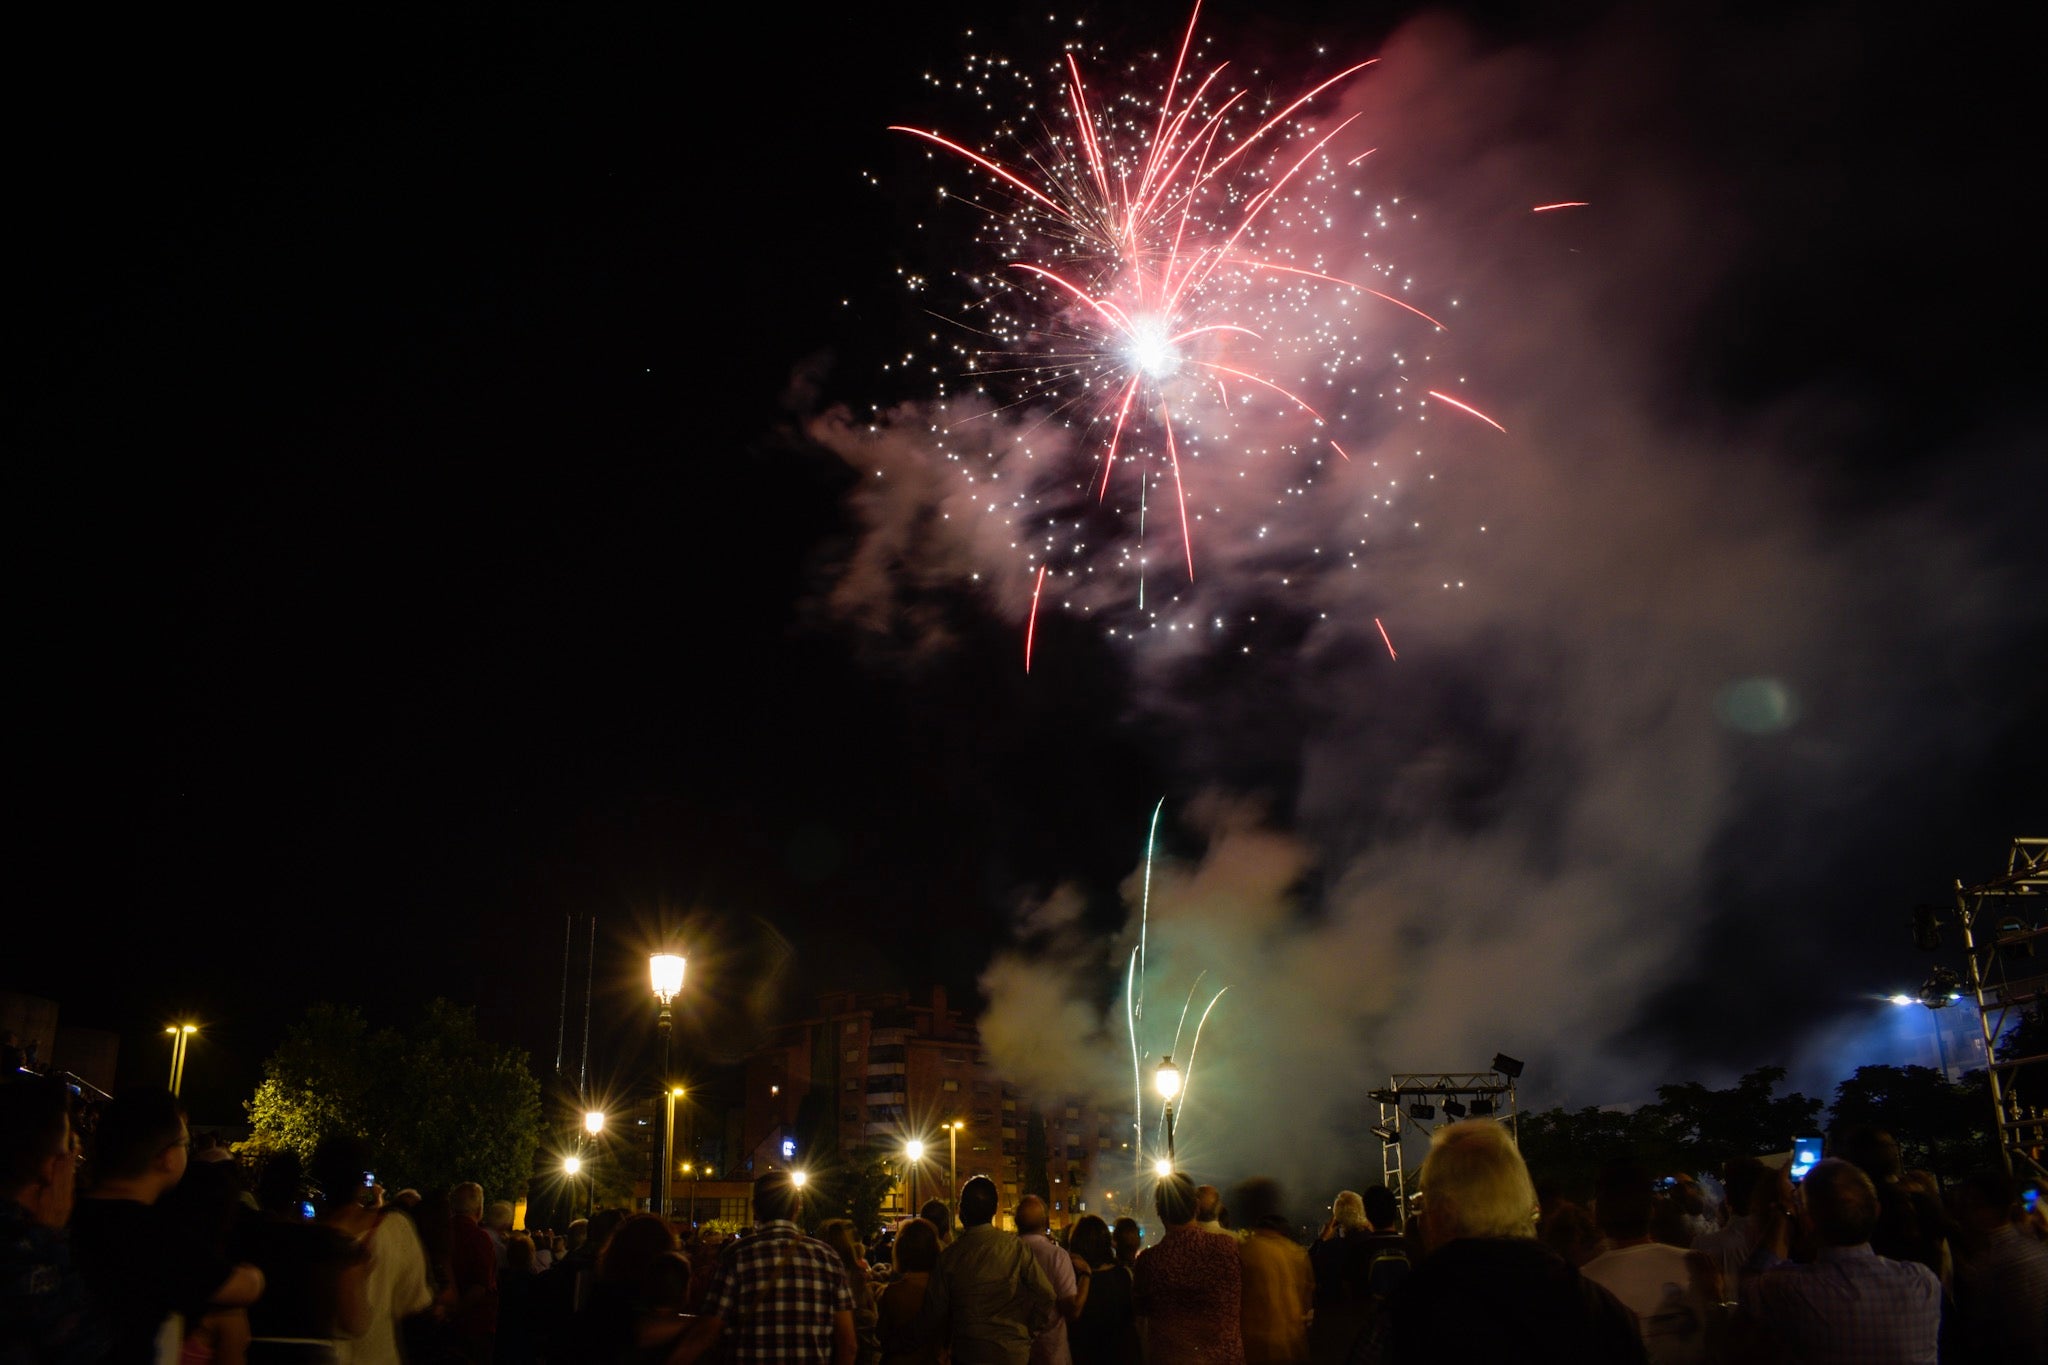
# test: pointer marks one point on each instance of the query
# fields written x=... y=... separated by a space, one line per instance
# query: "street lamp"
x=1167 y=1079
x=797 y=1178
x=666 y=972
x=690 y=1170
x=593 y=1121
x=953 y=1161
x=181 y=1039
x=915 y=1151
x=571 y=1165
x=675 y=1092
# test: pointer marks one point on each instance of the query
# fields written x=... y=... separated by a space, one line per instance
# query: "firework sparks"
x=1171 y=287
x=1384 y=636
x=1567 y=204
x=1467 y=407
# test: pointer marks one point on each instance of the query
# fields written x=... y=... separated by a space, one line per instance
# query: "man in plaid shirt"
x=778 y=1296
x=1850 y=1304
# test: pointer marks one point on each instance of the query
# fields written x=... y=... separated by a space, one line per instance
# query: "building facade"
x=879 y=1071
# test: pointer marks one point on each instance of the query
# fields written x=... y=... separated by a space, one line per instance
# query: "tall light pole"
x=953 y=1162
x=181 y=1039
x=666 y=971
x=668 y=1170
x=1167 y=1079
x=914 y=1150
x=570 y=1166
x=690 y=1170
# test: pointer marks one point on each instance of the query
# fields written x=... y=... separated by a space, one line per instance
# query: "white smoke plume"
x=1504 y=839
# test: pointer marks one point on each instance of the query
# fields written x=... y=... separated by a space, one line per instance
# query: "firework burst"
x=1173 y=286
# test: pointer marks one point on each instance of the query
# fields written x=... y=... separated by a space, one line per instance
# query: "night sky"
x=441 y=515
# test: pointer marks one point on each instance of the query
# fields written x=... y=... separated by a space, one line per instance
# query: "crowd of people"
x=169 y=1256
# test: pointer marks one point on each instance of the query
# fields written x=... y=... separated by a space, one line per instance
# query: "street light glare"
x=797 y=1178
x=667 y=972
x=914 y=1150
x=593 y=1121
x=571 y=1165
x=1163 y=1167
x=1167 y=1078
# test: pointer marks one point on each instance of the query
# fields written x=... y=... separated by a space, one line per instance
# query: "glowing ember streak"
x=1031 y=626
x=1568 y=204
x=1469 y=408
x=1383 y=635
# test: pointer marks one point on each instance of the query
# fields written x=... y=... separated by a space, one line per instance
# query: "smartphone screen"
x=1805 y=1156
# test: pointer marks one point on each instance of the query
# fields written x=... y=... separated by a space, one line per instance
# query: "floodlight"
x=1422 y=1111
x=1384 y=1096
x=1453 y=1109
x=1388 y=1132
x=1481 y=1106
x=1506 y=1065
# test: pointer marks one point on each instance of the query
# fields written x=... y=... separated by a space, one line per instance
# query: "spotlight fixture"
x=1388 y=1132
x=1481 y=1106
x=1506 y=1065
x=1453 y=1109
x=1422 y=1111
x=1384 y=1096
x=1942 y=989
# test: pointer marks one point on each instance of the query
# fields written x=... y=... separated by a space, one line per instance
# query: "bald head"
x=1842 y=1201
x=1031 y=1216
x=1208 y=1203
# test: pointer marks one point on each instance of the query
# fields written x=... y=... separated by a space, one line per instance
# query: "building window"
x=853 y=1054
x=853 y=1083
x=853 y=1027
x=950 y=1085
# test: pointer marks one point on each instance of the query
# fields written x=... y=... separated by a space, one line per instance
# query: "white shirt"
x=1656 y=1283
x=396 y=1288
x=1050 y=1346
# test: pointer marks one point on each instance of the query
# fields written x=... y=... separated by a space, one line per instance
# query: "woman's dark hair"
x=938 y=1215
x=917 y=1246
x=838 y=1233
x=630 y=1255
x=339 y=1164
x=1090 y=1241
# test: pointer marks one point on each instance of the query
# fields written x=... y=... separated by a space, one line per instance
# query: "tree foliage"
x=1940 y=1125
x=437 y=1102
x=1688 y=1128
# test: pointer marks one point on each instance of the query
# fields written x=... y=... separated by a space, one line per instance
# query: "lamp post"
x=1167 y=1080
x=570 y=1166
x=668 y=1169
x=953 y=1162
x=181 y=1039
x=914 y=1150
x=666 y=972
x=690 y=1170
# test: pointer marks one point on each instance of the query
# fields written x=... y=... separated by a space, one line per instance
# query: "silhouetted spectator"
x=1278 y=1287
x=988 y=1295
x=1188 y=1289
x=135 y=1271
x=473 y=1263
x=914 y=1251
x=2001 y=1276
x=1850 y=1304
x=1484 y=1265
x=1049 y=1343
x=43 y=1307
x=1106 y=1332
x=1910 y=1226
x=1731 y=1245
x=1675 y=1294
x=940 y=1217
x=778 y=1295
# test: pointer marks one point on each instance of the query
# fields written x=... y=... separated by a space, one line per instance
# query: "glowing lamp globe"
x=667 y=972
x=1167 y=1078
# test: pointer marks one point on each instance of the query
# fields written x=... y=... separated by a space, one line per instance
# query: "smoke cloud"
x=1636 y=629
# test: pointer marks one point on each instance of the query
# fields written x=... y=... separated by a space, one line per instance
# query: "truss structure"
x=2005 y=938
x=1448 y=1096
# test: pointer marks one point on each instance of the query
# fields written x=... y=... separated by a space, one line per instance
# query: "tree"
x=438 y=1104
x=1706 y=1127
x=1940 y=1125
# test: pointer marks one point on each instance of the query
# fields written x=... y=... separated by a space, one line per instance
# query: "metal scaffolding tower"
x=1416 y=1098
x=2004 y=923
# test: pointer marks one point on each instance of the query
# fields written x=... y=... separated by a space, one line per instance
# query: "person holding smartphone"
x=2001 y=1275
